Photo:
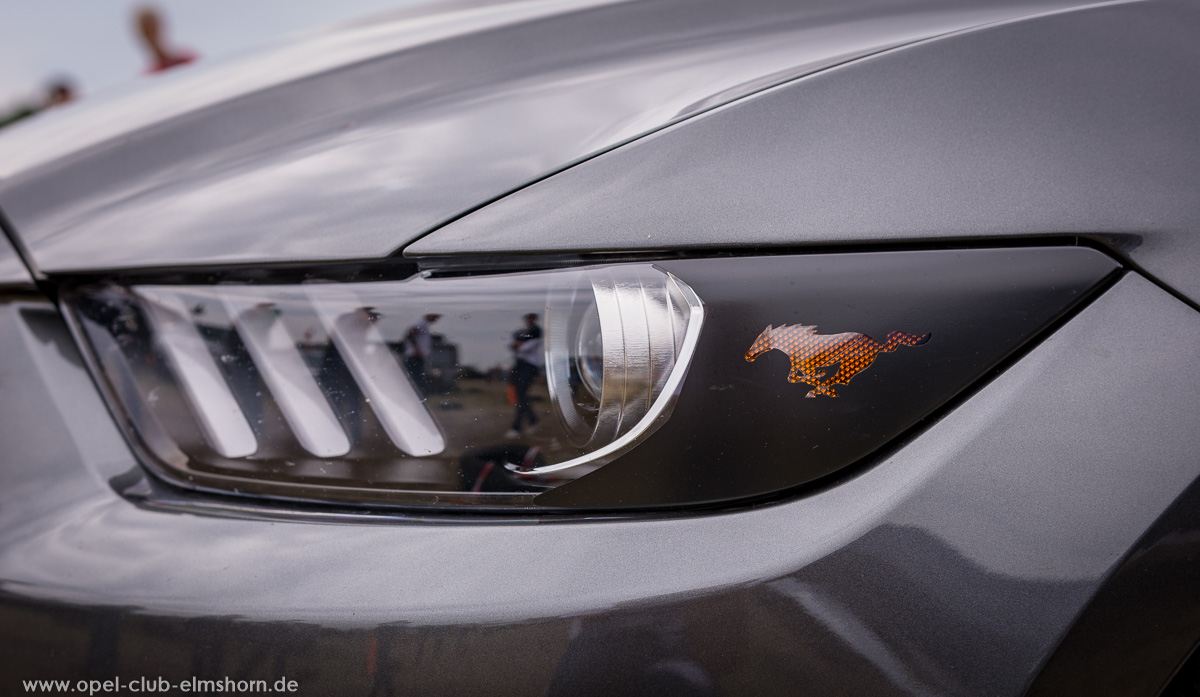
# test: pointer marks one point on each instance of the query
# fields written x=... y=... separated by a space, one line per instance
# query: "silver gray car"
x=605 y=347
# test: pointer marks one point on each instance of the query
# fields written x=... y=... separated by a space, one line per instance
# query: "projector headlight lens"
x=613 y=346
x=589 y=352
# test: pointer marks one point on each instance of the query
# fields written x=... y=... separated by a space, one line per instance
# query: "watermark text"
x=160 y=685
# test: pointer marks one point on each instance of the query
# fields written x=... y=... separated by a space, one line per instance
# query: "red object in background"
x=150 y=28
x=167 y=62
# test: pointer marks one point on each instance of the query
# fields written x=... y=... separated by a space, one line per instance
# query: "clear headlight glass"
x=473 y=390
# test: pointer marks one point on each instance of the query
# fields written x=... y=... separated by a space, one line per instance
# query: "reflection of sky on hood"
x=354 y=164
x=260 y=61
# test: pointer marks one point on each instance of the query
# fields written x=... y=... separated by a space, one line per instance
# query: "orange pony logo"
x=812 y=354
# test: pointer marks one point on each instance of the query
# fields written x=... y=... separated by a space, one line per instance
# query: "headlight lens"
x=404 y=390
x=614 y=340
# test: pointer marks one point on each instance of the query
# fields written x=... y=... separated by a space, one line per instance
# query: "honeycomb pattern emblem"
x=813 y=355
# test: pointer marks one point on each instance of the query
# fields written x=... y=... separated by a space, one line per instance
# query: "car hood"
x=348 y=144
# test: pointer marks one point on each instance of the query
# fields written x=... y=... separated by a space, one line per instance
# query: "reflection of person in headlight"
x=418 y=344
x=494 y=469
x=527 y=350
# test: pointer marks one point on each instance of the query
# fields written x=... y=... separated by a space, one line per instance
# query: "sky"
x=92 y=42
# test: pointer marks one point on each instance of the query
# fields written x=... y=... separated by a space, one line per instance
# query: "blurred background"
x=52 y=53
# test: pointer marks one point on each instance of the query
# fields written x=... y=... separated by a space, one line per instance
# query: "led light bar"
x=377 y=373
x=216 y=410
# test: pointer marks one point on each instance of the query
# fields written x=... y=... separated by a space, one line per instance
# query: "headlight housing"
x=366 y=391
x=532 y=389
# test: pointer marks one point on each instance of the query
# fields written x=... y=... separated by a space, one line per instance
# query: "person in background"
x=418 y=345
x=150 y=29
x=58 y=92
x=527 y=350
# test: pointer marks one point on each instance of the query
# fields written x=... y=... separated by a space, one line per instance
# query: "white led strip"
x=400 y=409
x=221 y=419
x=282 y=367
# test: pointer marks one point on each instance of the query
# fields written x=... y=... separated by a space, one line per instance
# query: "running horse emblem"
x=813 y=354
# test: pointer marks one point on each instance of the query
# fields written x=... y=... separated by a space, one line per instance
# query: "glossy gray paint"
x=950 y=568
x=1080 y=123
x=335 y=150
x=1142 y=625
x=12 y=269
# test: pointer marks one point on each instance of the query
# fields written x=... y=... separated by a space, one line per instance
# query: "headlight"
x=365 y=391
x=533 y=389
